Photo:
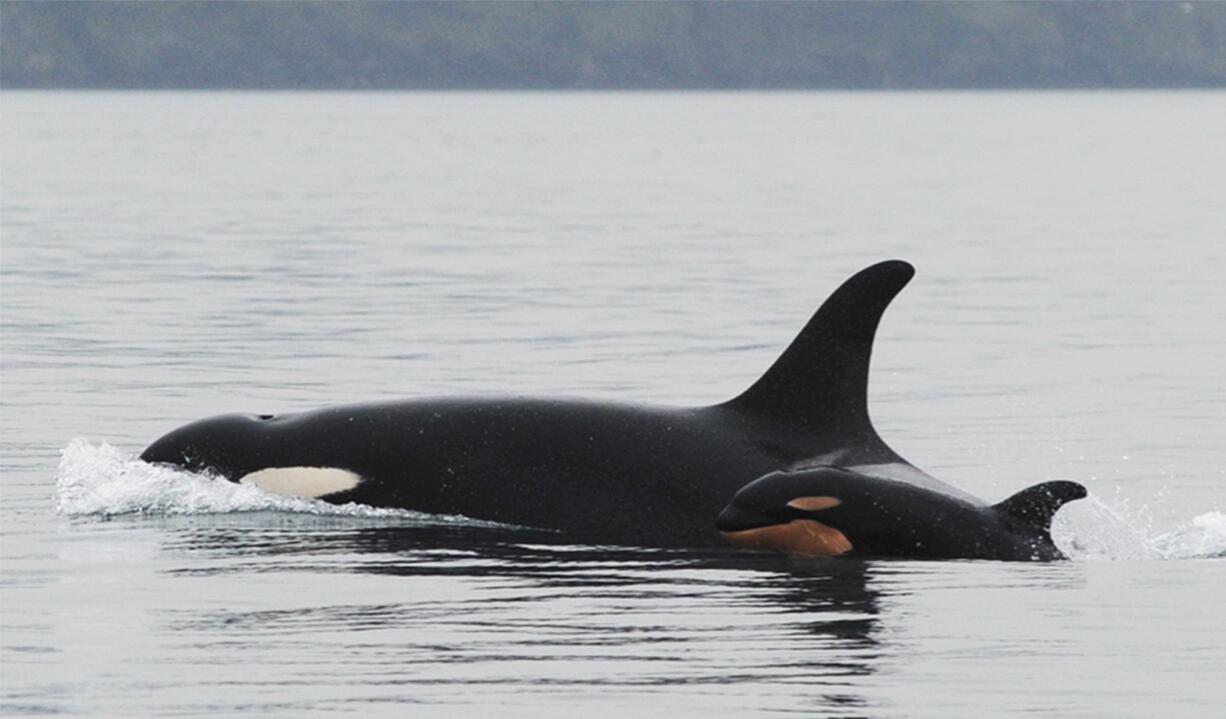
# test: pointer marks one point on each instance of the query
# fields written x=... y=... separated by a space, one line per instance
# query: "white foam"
x=1204 y=536
x=104 y=480
x=1101 y=529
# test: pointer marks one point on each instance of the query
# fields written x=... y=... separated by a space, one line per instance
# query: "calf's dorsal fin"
x=1038 y=504
x=821 y=380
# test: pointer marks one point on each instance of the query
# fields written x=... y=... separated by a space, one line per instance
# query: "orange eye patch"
x=814 y=504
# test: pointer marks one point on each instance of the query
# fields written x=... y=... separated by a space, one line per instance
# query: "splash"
x=1102 y=529
x=1204 y=536
x=103 y=480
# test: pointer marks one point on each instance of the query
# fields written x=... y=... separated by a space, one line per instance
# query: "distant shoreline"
x=613 y=91
x=613 y=46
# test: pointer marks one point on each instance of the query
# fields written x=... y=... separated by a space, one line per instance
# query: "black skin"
x=594 y=471
x=600 y=472
x=888 y=518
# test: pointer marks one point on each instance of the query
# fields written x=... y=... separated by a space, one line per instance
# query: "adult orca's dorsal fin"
x=1038 y=504
x=821 y=380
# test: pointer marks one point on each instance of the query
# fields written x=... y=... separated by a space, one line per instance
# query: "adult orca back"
x=601 y=471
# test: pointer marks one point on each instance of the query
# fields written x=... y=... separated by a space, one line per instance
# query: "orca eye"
x=265 y=416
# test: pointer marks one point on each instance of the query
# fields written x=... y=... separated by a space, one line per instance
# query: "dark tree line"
x=612 y=44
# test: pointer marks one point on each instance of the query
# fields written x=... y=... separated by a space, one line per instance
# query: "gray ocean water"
x=168 y=256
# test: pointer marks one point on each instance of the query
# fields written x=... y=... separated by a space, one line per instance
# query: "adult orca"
x=830 y=511
x=596 y=471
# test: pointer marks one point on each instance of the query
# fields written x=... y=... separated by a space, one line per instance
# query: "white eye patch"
x=303 y=481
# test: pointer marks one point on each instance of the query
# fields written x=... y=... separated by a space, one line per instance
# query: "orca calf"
x=596 y=471
x=828 y=511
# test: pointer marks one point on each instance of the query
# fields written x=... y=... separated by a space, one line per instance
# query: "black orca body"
x=828 y=511
x=596 y=471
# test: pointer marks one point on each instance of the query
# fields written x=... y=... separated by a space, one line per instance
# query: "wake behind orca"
x=595 y=471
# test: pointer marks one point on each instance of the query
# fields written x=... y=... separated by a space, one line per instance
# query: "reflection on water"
x=455 y=616
x=521 y=609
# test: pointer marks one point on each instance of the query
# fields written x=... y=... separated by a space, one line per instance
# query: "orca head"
x=227 y=445
x=261 y=449
x=783 y=512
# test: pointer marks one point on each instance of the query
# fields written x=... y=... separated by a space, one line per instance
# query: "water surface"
x=166 y=256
